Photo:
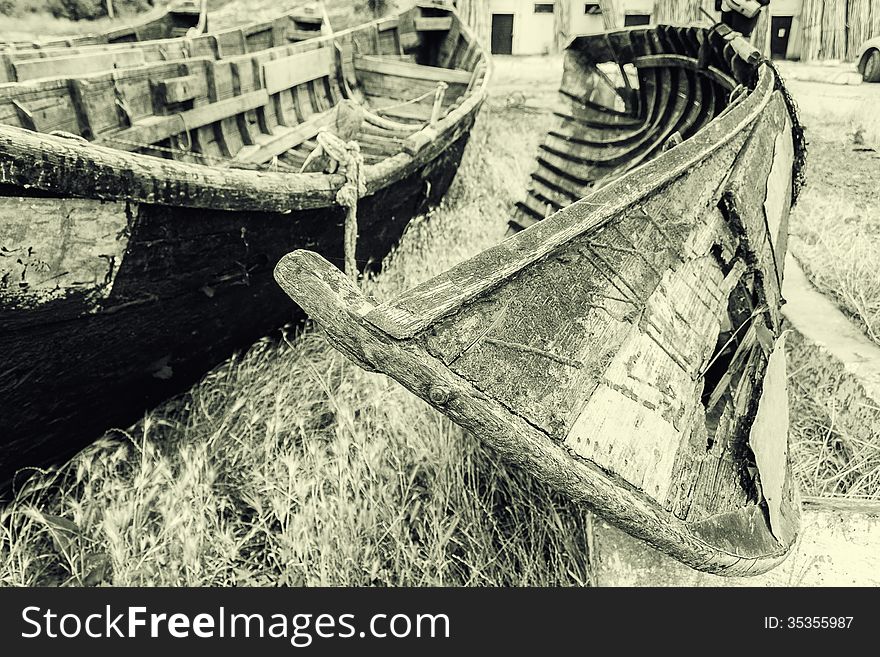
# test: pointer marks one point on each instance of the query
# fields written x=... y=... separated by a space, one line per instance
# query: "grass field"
x=289 y=465
x=835 y=234
x=835 y=231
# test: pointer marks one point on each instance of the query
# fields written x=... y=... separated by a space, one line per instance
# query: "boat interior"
x=244 y=101
x=631 y=95
x=20 y=64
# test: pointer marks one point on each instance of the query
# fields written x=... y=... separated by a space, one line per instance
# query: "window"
x=544 y=7
x=636 y=19
x=592 y=9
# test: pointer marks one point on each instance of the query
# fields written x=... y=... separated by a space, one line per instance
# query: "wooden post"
x=439 y=95
x=561 y=23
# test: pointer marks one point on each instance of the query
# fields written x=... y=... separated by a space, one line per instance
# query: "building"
x=800 y=29
x=527 y=27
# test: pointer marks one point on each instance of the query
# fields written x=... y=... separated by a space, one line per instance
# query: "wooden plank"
x=31 y=225
x=769 y=442
x=433 y=24
x=388 y=24
x=269 y=146
x=399 y=68
x=77 y=64
x=155 y=129
x=187 y=87
x=286 y=73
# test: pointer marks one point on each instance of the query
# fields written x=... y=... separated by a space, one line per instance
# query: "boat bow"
x=628 y=349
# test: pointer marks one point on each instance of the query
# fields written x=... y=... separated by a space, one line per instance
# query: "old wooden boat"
x=143 y=210
x=627 y=348
x=23 y=64
x=166 y=21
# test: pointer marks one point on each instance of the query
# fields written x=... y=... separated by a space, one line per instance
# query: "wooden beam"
x=269 y=146
x=155 y=129
x=442 y=24
x=71 y=168
x=404 y=69
x=286 y=73
x=77 y=64
x=177 y=90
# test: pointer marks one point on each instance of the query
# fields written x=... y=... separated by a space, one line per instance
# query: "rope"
x=348 y=155
x=189 y=143
x=406 y=102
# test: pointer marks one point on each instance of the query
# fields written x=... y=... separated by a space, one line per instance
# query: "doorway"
x=780 y=31
x=502 y=34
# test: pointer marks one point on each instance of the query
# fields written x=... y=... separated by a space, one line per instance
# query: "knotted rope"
x=347 y=155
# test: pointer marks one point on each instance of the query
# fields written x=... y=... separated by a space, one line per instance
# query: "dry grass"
x=838 y=244
x=835 y=449
x=835 y=234
x=836 y=227
x=289 y=465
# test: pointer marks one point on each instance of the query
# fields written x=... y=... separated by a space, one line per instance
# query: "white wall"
x=581 y=23
x=638 y=6
x=786 y=7
x=533 y=34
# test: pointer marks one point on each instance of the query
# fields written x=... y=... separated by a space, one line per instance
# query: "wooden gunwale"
x=15 y=61
x=404 y=316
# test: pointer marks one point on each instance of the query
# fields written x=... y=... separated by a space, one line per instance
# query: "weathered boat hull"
x=174 y=20
x=628 y=349
x=126 y=277
x=67 y=380
x=22 y=64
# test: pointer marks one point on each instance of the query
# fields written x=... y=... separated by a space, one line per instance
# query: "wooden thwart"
x=399 y=67
x=432 y=24
x=291 y=71
x=178 y=90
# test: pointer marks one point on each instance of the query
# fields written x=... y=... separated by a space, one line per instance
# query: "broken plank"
x=285 y=139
